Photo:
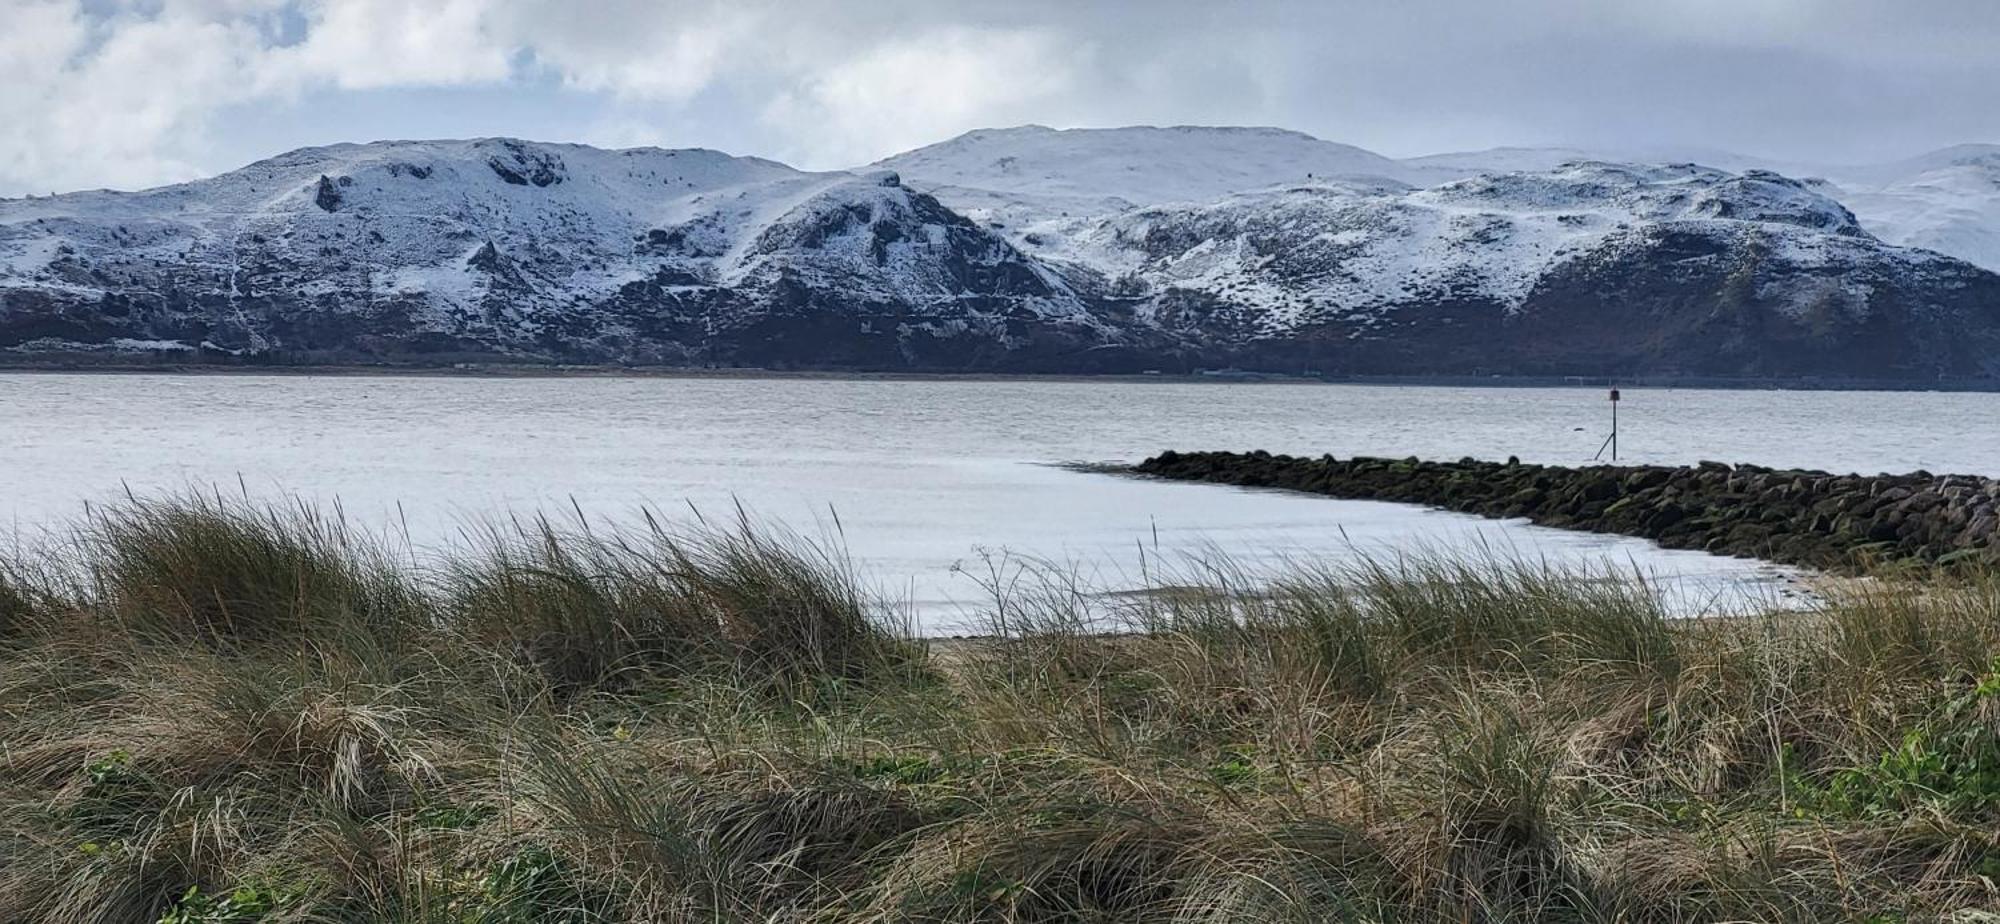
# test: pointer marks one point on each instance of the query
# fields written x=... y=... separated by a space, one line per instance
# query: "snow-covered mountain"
x=1340 y=259
x=1288 y=256
x=1589 y=268
x=1031 y=173
x=1947 y=200
x=1025 y=249
x=541 y=251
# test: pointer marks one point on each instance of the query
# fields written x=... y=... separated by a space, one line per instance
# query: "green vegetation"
x=211 y=712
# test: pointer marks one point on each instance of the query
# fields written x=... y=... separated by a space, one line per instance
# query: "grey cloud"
x=830 y=83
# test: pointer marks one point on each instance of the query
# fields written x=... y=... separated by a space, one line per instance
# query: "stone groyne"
x=1815 y=519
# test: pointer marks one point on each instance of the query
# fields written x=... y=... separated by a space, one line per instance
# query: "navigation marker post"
x=1614 y=425
x=1612 y=440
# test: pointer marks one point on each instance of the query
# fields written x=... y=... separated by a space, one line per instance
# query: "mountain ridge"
x=1023 y=249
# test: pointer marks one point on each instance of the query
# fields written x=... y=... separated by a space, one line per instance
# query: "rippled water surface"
x=928 y=480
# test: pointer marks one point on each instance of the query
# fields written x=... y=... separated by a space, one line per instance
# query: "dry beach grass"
x=214 y=712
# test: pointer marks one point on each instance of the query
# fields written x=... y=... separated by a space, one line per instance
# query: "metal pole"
x=1614 y=425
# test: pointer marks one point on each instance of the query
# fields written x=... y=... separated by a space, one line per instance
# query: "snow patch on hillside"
x=1032 y=173
x=1348 y=250
x=1948 y=201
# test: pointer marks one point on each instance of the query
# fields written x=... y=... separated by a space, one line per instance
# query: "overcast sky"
x=128 y=94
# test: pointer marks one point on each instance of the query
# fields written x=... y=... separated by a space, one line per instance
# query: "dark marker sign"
x=1614 y=394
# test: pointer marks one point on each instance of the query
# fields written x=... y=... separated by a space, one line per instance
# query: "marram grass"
x=218 y=712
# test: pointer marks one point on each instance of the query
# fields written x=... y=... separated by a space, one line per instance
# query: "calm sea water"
x=926 y=482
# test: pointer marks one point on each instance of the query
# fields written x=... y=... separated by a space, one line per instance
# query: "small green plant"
x=95 y=849
x=902 y=770
x=1691 y=813
x=450 y=816
x=239 y=906
x=1236 y=767
x=1951 y=763
x=531 y=886
x=986 y=887
x=115 y=793
x=1988 y=686
x=113 y=769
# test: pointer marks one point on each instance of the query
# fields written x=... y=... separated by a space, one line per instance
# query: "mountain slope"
x=1357 y=247
x=532 y=250
x=1947 y=201
x=1016 y=250
x=1591 y=268
x=1019 y=176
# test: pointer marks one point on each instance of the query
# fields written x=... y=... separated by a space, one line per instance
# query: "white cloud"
x=368 y=44
x=637 y=49
x=118 y=102
x=911 y=91
x=126 y=98
x=134 y=92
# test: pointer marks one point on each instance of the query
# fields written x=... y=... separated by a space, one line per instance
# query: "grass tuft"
x=213 y=711
x=232 y=572
x=603 y=611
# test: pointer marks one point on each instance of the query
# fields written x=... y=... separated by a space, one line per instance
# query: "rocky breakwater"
x=1816 y=519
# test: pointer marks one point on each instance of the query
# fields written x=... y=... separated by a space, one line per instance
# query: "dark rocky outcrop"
x=521 y=166
x=326 y=194
x=1816 y=519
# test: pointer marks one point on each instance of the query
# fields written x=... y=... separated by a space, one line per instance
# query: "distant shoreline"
x=533 y=370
